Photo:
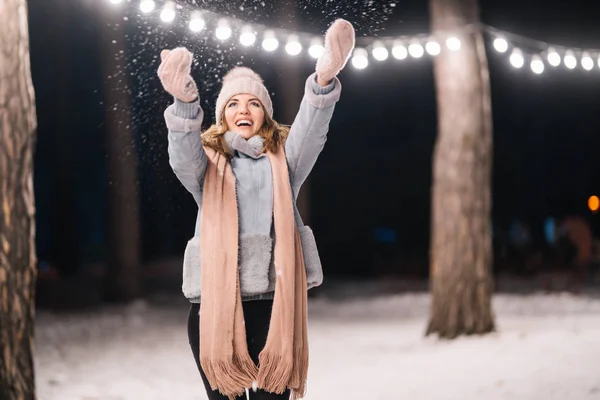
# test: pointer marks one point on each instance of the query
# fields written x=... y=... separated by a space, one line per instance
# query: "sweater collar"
x=251 y=147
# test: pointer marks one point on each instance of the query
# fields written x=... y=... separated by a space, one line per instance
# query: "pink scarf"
x=283 y=363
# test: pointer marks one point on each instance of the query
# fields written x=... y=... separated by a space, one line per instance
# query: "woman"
x=248 y=267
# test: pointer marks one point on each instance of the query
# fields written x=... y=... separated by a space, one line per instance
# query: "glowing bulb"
x=586 y=62
x=537 y=65
x=380 y=53
x=197 y=22
x=570 y=60
x=147 y=6
x=168 y=12
x=433 y=48
x=553 y=57
x=293 y=46
x=453 y=43
x=516 y=59
x=247 y=37
x=223 y=31
x=316 y=48
x=501 y=45
x=399 y=50
x=416 y=50
x=270 y=42
x=116 y=1
x=594 y=203
x=360 y=58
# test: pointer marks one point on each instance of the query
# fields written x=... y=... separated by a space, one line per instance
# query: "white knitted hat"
x=242 y=80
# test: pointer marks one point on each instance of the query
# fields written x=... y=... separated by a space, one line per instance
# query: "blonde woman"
x=251 y=261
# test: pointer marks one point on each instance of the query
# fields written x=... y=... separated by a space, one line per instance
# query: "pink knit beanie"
x=242 y=80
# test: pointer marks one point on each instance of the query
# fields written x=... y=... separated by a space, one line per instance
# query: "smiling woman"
x=251 y=260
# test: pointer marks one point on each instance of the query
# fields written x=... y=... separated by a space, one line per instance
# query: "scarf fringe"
x=299 y=373
x=231 y=377
x=274 y=372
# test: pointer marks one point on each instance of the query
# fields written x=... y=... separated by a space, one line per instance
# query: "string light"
x=147 y=6
x=570 y=60
x=360 y=58
x=380 y=53
x=453 y=43
x=399 y=51
x=247 y=36
x=197 y=22
x=270 y=42
x=433 y=48
x=223 y=31
x=541 y=53
x=293 y=46
x=316 y=48
x=501 y=45
x=537 y=65
x=168 y=12
x=516 y=58
x=416 y=50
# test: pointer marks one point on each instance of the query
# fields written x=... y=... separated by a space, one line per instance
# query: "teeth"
x=244 y=122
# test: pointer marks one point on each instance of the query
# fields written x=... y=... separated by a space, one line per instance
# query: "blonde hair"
x=272 y=132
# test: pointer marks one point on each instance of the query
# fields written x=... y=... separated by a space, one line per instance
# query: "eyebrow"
x=236 y=99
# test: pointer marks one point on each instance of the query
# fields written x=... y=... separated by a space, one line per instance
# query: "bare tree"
x=461 y=253
x=17 y=205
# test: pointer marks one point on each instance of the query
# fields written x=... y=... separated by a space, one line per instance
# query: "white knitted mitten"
x=174 y=74
x=339 y=43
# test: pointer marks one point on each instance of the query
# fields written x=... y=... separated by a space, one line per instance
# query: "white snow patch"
x=547 y=347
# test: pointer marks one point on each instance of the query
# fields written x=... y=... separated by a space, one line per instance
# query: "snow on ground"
x=547 y=347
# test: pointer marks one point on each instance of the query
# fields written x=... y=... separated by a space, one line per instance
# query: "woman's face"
x=245 y=115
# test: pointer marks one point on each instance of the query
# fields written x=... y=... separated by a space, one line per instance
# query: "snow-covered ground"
x=547 y=347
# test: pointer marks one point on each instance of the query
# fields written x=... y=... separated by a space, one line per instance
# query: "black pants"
x=257 y=315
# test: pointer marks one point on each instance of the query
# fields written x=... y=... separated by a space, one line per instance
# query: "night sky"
x=375 y=171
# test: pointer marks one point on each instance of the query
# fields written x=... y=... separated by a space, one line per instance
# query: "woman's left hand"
x=339 y=43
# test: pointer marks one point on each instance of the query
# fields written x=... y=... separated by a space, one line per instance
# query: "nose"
x=244 y=109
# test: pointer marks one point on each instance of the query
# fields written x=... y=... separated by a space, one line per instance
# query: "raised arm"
x=186 y=155
x=183 y=119
x=309 y=130
x=308 y=133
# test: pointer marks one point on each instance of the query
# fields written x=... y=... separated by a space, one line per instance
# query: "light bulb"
x=147 y=6
x=553 y=57
x=168 y=12
x=570 y=60
x=116 y=1
x=586 y=61
x=223 y=31
x=433 y=48
x=293 y=46
x=416 y=50
x=453 y=43
x=360 y=58
x=516 y=59
x=399 y=50
x=247 y=37
x=316 y=48
x=270 y=42
x=197 y=22
x=380 y=53
x=501 y=45
x=537 y=65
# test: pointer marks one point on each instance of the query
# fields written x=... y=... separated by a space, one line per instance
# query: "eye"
x=233 y=103
x=255 y=104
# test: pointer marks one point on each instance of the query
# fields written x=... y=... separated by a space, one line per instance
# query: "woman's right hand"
x=174 y=74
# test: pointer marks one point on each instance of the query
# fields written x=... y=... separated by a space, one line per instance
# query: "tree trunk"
x=124 y=278
x=17 y=225
x=461 y=253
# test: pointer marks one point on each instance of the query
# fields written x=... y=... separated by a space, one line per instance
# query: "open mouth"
x=244 y=122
